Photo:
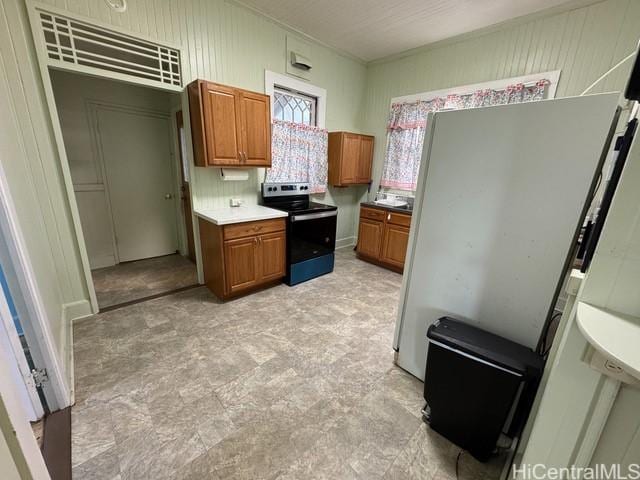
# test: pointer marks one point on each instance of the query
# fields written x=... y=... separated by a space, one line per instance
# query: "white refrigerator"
x=501 y=196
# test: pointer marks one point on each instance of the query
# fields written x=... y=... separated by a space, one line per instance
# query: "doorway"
x=121 y=142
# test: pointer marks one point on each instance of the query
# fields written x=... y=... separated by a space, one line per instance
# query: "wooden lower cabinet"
x=383 y=237
x=394 y=245
x=370 y=235
x=272 y=254
x=241 y=264
x=238 y=258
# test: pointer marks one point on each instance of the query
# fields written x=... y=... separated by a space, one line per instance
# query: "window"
x=407 y=121
x=292 y=106
x=299 y=141
x=290 y=96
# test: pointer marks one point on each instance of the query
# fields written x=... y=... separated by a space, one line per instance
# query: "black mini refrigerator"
x=478 y=385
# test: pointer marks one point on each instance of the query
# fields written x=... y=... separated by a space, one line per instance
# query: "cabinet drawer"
x=247 y=229
x=399 y=219
x=372 y=214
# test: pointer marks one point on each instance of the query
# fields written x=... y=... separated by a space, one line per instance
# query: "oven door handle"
x=313 y=216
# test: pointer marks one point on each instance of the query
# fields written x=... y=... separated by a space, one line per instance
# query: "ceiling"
x=372 y=29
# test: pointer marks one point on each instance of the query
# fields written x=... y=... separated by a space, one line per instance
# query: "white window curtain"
x=299 y=154
x=408 y=121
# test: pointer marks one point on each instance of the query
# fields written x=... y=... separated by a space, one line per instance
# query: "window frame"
x=274 y=80
x=313 y=117
x=553 y=76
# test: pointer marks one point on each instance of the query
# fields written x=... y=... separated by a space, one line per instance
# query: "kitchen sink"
x=391 y=202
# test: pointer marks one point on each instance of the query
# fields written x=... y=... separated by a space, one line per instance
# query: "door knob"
x=168 y=196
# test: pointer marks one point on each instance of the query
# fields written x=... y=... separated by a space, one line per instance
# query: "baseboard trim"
x=345 y=242
x=71 y=313
x=76 y=310
x=102 y=262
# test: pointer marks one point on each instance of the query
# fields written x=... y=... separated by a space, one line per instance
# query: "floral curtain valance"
x=298 y=154
x=408 y=121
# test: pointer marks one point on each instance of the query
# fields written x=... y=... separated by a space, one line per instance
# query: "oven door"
x=311 y=235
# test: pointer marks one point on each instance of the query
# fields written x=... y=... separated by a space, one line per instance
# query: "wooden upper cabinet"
x=222 y=120
x=363 y=172
x=256 y=125
x=230 y=127
x=350 y=158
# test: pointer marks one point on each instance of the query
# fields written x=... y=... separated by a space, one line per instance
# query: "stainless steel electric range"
x=311 y=230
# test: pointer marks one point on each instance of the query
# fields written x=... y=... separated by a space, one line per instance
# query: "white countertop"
x=614 y=335
x=249 y=213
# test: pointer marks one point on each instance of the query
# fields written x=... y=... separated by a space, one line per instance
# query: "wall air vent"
x=83 y=44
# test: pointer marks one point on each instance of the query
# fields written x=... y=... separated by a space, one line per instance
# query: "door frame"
x=44 y=64
x=177 y=162
x=20 y=434
x=32 y=311
x=93 y=108
x=17 y=361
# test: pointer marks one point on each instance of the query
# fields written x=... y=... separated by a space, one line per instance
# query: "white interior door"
x=17 y=362
x=136 y=152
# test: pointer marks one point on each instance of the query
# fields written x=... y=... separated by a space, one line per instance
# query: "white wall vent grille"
x=73 y=41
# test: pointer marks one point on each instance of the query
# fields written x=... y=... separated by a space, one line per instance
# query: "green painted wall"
x=228 y=43
x=31 y=167
x=583 y=43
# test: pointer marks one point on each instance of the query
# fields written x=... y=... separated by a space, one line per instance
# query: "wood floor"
x=288 y=383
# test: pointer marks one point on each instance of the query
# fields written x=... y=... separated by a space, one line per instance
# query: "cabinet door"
x=349 y=160
x=394 y=247
x=370 y=237
x=272 y=256
x=241 y=264
x=222 y=118
x=363 y=171
x=256 y=129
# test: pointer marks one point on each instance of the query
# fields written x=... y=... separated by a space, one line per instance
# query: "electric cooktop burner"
x=292 y=198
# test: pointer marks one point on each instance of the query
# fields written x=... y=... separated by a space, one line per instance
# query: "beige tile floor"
x=130 y=281
x=288 y=383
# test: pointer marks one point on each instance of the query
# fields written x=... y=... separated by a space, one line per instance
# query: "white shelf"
x=614 y=335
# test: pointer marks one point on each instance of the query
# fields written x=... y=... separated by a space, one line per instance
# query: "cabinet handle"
x=388 y=216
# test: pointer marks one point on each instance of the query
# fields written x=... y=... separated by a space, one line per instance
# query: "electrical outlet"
x=235 y=202
x=609 y=367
